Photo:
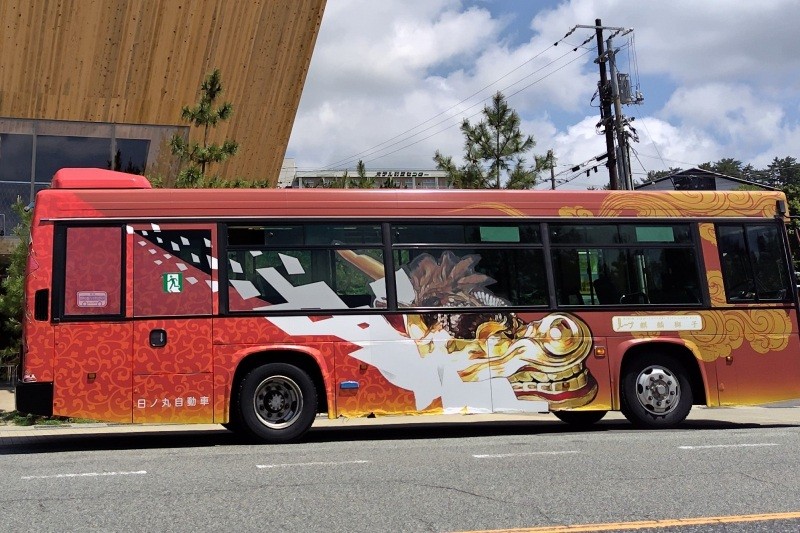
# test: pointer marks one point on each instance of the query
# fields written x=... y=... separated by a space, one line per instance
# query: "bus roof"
x=136 y=201
x=96 y=178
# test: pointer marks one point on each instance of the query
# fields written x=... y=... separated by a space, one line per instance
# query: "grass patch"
x=18 y=419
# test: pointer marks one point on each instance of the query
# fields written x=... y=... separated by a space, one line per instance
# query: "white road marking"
x=754 y=445
x=88 y=474
x=318 y=463
x=499 y=455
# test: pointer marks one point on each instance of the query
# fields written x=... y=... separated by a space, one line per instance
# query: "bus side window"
x=93 y=271
x=752 y=264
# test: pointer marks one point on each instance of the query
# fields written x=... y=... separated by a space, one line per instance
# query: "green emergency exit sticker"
x=172 y=282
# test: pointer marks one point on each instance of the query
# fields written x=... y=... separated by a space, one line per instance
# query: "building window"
x=31 y=151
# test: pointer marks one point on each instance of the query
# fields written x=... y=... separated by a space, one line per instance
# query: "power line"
x=655 y=146
x=377 y=148
x=670 y=160
x=336 y=163
x=471 y=116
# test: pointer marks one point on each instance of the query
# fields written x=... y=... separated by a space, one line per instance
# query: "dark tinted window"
x=15 y=157
x=619 y=233
x=465 y=233
x=54 y=153
x=620 y=276
x=343 y=234
x=306 y=234
x=131 y=155
x=476 y=277
x=279 y=280
x=753 y=263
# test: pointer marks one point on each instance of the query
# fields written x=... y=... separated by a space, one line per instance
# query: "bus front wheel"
x=580 y=419
x=656 y=392
x=277 y=402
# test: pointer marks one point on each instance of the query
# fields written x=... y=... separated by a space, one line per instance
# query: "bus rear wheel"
x=656 y=392
x=277 y=402
x=580 y=419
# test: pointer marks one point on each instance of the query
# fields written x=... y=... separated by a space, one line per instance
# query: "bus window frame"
x=545 y=244
x=59 y=269
x=224 y=248
x=695 y=245
x=791 y=297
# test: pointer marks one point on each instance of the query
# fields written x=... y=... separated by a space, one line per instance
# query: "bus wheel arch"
x=658 y=384
x=286 y=374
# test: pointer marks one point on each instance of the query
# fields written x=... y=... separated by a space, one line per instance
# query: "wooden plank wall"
x=140 y=61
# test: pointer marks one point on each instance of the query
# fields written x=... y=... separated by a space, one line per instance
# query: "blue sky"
x=391 y=80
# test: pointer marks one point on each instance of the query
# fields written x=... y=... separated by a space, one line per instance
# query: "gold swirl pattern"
x=765 y=330
x=495 y=206
x=576 y=211
x=189 y=349
x=707 y=233
x=103 y=350
x=174 y=398
x=40 y=349
x=691 y=203
x=716 y=288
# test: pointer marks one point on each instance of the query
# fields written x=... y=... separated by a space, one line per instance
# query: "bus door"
x=173 y=284
x=761 y=364
x=93 y=341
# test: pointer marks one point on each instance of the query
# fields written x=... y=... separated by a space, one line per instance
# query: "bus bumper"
x=34 y=398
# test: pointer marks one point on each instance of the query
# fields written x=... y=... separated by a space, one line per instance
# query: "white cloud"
x=731 y=113
x=719 y=80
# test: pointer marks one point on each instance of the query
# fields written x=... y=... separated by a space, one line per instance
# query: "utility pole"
x=605 y=108
x=622 y=140
x=618 y=163
x=552 y=169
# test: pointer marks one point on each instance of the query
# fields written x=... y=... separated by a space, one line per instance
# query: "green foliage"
x=200 y=155
x=345 y=181
x=12 y=289
x=18 y=419
x=389 y=183
x=467 y=176
x=216 y=182
x=653 y=175
x=727 y=165
x=494 y=152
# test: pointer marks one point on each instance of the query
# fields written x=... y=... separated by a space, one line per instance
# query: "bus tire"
x=234 y=426
x=655 y=391
x=580 y=419
x=277 y=402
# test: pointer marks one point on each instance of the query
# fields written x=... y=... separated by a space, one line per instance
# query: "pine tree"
x=12 y=288
x=345 y=181
x=494 y=151
x=203 y=114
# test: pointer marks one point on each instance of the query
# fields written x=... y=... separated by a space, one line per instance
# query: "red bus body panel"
x=745 y=353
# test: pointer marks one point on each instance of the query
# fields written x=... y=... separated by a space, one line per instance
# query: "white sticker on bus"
x=631 y=323
x=92 y=299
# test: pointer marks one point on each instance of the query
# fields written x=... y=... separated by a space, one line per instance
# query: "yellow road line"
x=677 y=522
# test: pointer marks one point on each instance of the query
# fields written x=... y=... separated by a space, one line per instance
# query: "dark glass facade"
x=31 y=151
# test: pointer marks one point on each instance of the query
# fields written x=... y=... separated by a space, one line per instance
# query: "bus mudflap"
x=35 y=398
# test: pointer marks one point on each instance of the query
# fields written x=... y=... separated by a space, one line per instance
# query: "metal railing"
x=8 y=375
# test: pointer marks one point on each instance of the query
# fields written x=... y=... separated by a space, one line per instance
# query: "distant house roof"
x=699 y=179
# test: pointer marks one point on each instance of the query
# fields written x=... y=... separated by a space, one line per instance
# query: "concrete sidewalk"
x=6 y=398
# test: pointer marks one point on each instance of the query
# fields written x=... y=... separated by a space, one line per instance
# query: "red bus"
x=260 y=309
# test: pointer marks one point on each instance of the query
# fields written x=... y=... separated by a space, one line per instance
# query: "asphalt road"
x=454 y=477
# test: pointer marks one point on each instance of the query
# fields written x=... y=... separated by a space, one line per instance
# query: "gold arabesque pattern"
x=690 y=203
x=765 y=330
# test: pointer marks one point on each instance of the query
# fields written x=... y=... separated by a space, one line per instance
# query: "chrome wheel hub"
x=278 y=402
x=657 y=390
